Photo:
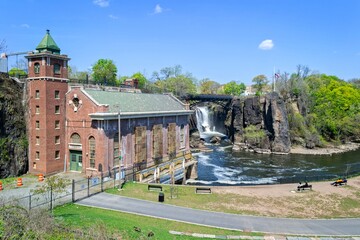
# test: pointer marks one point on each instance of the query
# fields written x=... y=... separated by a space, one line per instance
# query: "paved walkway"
x=332 y=227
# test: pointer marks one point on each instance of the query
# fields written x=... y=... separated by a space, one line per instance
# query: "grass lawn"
x=307 y=205
x=124 y=223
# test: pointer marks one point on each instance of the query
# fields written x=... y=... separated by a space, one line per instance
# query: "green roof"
x=136 y=102
x=48 y=44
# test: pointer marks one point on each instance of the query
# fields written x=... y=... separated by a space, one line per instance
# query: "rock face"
x=267 y=118
x=13 y=140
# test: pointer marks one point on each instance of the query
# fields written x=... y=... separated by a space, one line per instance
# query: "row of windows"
x=57 y=109
x=57 y=140
x=57 y=68
x=56 y=155
x=57 y=124
x=56 y=94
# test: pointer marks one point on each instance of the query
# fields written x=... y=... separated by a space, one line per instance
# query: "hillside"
x=13 y=140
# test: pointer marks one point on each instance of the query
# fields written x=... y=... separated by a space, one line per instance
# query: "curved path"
x=331 y=227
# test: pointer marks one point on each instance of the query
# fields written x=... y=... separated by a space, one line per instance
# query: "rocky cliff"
x=13 y=140
x=259 y=123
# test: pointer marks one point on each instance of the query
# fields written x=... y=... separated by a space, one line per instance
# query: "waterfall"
x=205 y=125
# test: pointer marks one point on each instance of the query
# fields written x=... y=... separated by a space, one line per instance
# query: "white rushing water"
x=205 y=124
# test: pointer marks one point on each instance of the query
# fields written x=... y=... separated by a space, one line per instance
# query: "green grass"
x=10 y=182
x=83 y=217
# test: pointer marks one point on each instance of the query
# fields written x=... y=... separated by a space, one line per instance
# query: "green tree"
x=233 y=88
x=260 y=82
x=141 y=79
x=104 y=72
x=208 y=86
x=16 y=72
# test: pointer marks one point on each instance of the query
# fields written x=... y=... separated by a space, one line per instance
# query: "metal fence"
x=73 y=192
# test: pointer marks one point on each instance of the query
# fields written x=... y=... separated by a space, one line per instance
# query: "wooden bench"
x=202 y=190
x=154 y=188
x=304 y=186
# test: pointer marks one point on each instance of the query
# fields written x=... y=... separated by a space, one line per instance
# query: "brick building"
x=83 y=129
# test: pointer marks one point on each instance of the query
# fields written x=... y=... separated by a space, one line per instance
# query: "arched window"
x=75 y=138
x=36 y=68
x=57 y=68
x=92 y=152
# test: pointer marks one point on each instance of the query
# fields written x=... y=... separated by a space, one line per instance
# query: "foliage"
x=208 y=86
x=336 y=104
x=254 y=136
x=260 y=82
x=355 y=82
x=233 y=88
x=17 y=72
x=54 y=183
x=75 y=74
x=104 y=72
x=171 y=79
x=141 y=79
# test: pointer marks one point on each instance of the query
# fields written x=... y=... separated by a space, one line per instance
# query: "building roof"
x=136 y=102
x=48 y=44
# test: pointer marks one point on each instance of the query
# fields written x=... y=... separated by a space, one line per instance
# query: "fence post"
x=50 y=198
x=29 y=201
x=88 y=188
x=73 y=190
x=102 y=182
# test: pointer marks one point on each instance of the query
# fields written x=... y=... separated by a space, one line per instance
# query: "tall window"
x=37 y=140
x=57 y=124
x=37 y=155
x=37 y=94
x=57 y=94
x=57 y=154
x=37 y=68
x=92 y=152
x=37 y=110
x=57 y=109
x=182 y=136
x=57 y=68
x=37 y=124
x=57 y=139
x=116 y=149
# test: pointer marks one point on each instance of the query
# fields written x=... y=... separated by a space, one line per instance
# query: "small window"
x=57 y=124
x=57 y=109
x=57 y=154
x=57 y=139
x=37 y=124
x=37 y=110
x=37 y=155
x=37 y=140
x=57 y=68
x=37 y=94
x=37 y=68
x=34 y=165
x=57 y=94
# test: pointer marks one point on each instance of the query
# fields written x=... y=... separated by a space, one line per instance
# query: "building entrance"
x=76 y=161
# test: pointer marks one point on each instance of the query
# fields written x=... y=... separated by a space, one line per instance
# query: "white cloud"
x=158 y=9
x=113 y=16
x=266 y=44
x=25 y=25
x=101 y=3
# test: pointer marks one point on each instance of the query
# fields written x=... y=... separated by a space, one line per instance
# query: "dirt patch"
x=323 y=201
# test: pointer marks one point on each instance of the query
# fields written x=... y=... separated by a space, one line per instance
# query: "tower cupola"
x=48 y=44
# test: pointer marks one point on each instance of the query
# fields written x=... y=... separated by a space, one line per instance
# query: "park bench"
x=339 y=182
x=304 y=186
x=202 y=190
x=154 y=187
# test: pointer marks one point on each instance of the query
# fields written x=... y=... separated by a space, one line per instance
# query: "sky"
x=223 y=40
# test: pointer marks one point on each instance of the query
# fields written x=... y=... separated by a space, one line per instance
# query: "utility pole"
x=120 y=155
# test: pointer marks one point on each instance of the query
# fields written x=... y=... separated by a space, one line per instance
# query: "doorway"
x=76 y=161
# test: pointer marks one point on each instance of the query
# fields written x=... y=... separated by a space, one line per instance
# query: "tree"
x=260 y=82
x=141 y=79
x=16 y=72
x=355 y=82
x=79 y=75
x=171 y=79
x=208 y=86
x=104 y=72
x=234 y=89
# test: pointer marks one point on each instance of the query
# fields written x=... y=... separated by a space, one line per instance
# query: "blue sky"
x=223 y=40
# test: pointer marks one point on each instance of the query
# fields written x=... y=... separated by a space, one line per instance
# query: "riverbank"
x=329 y=150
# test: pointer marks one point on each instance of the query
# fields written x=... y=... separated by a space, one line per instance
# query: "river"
x=222 y=166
